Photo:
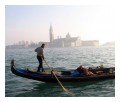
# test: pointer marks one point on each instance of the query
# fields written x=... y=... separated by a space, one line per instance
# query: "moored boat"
x=64 y=76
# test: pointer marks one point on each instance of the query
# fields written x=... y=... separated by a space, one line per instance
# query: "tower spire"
x=51 y=34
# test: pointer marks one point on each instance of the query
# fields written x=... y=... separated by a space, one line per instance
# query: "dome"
x=68 y=35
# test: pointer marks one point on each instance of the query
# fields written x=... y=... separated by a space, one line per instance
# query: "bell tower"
x=51 y=34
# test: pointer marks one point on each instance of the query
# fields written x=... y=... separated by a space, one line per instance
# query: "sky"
x=32 y=22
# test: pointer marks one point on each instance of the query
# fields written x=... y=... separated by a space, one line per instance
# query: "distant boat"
x=63 y=76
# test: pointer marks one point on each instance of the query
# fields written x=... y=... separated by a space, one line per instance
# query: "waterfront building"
x=68 y=41
x=90 y=43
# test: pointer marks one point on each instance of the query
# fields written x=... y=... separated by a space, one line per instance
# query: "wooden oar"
x=56 y=77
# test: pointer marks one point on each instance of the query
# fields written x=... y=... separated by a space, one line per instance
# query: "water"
x=59 y=59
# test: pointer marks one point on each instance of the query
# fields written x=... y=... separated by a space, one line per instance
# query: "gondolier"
x=40 y=57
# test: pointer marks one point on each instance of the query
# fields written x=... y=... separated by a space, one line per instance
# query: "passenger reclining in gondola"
x=81 y=71
x=85 y=71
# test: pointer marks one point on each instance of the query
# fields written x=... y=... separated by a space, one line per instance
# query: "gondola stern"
x=12 y=65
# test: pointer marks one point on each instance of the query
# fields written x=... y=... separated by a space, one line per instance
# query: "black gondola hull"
x=39 y=76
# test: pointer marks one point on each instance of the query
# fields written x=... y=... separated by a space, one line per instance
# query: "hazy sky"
x=31 y=23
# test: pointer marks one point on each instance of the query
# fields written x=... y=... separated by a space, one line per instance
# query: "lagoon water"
x=59 y=59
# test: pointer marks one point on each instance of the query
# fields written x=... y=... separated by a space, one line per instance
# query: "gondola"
x=64 y=76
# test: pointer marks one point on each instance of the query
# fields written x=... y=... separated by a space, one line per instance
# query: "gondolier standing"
x=40 y=57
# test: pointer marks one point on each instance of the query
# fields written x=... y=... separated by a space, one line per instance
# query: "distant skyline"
x=32 y=23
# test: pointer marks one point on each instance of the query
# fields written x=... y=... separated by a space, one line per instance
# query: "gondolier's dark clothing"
x=40 y=58
x=40 y=63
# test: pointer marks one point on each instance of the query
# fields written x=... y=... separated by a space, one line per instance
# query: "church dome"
x=68 y=35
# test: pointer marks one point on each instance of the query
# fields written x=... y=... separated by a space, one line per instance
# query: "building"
x=68 y=41
x=90 y=43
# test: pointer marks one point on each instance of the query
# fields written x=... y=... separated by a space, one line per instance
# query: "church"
x=68 y=41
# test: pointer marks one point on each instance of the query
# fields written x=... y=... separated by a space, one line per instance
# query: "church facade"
x=68 y=41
